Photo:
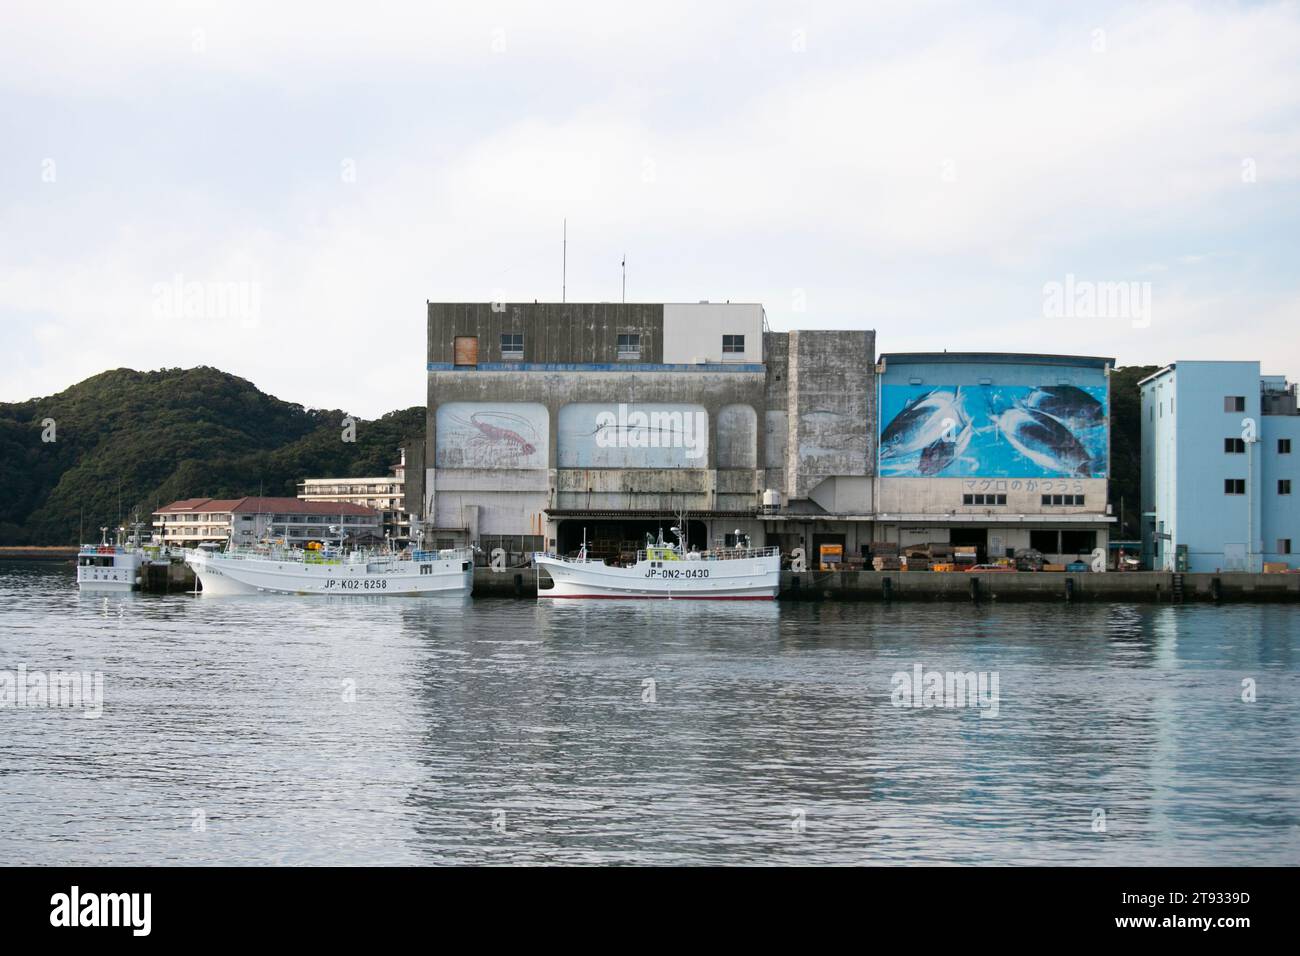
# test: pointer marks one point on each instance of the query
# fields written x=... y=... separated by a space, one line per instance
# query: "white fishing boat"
x=110 y=567
x=667 y=571
x=275 y=568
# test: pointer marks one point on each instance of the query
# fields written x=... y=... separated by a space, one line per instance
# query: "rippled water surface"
x=370 y=730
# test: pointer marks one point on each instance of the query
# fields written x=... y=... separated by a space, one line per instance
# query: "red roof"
x=294 y=506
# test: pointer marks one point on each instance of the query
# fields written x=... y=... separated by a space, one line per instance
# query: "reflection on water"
x=362 y=729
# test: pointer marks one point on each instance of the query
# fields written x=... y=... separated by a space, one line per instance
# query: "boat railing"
x=567 y=559
x=715 y=554
x=660 y=553
x=102 y=549
x=444 y=554
x=323 y=557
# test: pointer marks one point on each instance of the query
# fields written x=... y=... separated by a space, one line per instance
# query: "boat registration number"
x=355 y=584
x=677 y=573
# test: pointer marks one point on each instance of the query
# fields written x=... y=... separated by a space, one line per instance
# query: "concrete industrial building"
x=548 y=421
x=246 y=521
x=1218 y=468
x=1000 y=451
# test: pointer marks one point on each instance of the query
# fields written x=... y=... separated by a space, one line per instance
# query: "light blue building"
x=1219 y=450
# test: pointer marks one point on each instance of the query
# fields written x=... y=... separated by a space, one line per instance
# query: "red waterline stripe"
x=652 y=597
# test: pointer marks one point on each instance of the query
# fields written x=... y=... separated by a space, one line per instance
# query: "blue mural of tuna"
x=1068 y=404
x=1045 y=441
x=930 y=433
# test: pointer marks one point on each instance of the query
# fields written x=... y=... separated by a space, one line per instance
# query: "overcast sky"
x=927 y=170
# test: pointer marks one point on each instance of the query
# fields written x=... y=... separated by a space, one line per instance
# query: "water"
x=508 y=732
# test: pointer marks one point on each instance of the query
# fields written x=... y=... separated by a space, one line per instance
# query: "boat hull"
x=102 y=584
x=743 y=579
x=111 y=571
x=221 y=576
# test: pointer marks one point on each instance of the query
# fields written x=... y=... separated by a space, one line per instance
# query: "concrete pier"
x=1120 y=587
x=1125 y=587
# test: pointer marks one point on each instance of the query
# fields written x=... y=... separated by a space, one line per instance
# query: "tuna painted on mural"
x=1049 y=431
x=489 y=435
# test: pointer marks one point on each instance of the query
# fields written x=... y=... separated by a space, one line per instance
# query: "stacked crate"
x=884 y=556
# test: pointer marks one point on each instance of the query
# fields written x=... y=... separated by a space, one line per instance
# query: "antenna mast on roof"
x=564 y=262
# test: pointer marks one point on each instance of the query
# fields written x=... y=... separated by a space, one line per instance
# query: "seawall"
x=1126 y=586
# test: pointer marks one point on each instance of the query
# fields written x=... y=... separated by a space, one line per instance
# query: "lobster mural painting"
x=481 y=435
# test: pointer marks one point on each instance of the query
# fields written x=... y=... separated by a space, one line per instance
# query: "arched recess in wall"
x=737 y=437
x=632 y=435
x=492 y=435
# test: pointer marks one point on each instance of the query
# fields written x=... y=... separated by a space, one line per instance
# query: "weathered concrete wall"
x=737 y=437
x=831 y=407
x=615 y=487
x=803 y=423
x=776 y=350
x=553 y=332
x=938 y=496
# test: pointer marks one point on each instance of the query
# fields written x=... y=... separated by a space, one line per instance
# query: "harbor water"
x=346 y=730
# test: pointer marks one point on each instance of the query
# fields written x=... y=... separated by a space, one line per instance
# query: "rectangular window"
x=733 y=344
x=629 y=345
x=1284 y=486
x=1078 y=542
x=984 y=499
x=1284 y=446
x=1234 y=403
x=1234 y=486
x=1044 y=541
x=1283 y=545
x=464 y=350
x=512 y=345
x=1072 y=501
x=1234 y=446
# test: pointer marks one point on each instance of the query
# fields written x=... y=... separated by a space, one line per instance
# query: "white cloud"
x=922 y=172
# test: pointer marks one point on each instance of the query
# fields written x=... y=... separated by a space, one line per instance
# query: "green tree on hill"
x=128 y=441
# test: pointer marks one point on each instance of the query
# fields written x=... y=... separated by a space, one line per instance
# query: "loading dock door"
x=834 y=540
x=968 y=536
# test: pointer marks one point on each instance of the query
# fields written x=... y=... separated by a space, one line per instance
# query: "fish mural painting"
x=633 y=435
x=511 y=435
x=1048 y=431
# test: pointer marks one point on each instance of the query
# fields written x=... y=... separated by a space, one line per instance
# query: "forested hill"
x=127 y=441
